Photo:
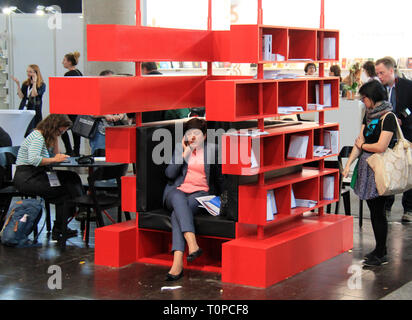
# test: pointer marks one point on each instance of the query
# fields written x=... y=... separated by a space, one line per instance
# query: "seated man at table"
x=33 y=177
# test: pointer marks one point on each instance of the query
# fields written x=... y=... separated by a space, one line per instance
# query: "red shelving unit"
x=263 y=252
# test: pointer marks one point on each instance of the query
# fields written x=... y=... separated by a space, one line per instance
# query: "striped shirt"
x=32 y=150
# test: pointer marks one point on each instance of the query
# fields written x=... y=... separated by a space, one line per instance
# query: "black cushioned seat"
x=151 y=181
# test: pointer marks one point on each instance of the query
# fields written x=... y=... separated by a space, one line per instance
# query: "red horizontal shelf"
x=108 y=95
x=236 y=150
x=240 y=99
x=243 y=43
x=306 y=184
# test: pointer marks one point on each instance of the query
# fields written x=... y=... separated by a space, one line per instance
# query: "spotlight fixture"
x=40 y=10
x=9 y=10
x=53 y=9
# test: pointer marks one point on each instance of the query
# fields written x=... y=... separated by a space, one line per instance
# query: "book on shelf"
x=327 y=95
x=329 y=48
x=315 y=106
x=291 y=109
x=328 y=187
x=320 y=151
x=271 y=209
x=306 y=203
x=292 y=199
x=175 y=64
x=253 y=161
x=298 y=147
x=267 y=47
x=211 y=204
x=331 y=140
x=247 y=133
x=197 y=65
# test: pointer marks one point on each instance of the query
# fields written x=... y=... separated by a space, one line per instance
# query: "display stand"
x=262 y=252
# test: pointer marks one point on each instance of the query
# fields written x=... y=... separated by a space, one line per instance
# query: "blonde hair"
x=39 y=81
x=73 y=57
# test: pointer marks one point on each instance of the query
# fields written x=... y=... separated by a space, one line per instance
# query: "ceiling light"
x=40 y=10
x=9 y=10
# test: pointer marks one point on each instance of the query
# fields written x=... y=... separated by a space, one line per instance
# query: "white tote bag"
x=393 y=168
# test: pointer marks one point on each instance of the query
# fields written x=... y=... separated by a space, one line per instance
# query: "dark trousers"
x=379 y=224
x=76 y=140
x=406 y=201
x=183 y=207
x=34 y=180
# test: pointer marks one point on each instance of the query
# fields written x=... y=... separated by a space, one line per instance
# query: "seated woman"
x=32 y=162
x=194 y=172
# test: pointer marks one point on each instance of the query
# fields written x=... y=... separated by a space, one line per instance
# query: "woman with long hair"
x=378 y=132
x=70 y=62
x=31 y=94
x=38 y=150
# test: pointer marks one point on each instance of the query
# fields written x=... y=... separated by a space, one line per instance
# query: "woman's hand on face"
x=60 y=157
x=186 y=147
x=34 y=78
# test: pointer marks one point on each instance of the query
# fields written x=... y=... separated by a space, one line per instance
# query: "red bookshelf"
x=260 y=254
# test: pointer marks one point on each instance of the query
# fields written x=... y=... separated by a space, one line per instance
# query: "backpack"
x=22 y=218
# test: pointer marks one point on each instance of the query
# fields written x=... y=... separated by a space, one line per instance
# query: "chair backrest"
x=107 y=173
x=99 y=153
x=8 y=156
x=344 y=153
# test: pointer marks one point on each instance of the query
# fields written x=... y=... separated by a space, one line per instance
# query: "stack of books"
x=271 y=208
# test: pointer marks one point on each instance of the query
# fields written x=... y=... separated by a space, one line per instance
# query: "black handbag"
x=85 y=126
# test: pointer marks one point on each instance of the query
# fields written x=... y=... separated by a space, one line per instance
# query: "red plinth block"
x=121 y=144
x=129 y=193
x=115 y=245
x=297 y=246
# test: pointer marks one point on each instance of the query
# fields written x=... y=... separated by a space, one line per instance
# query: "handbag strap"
x=399 y=133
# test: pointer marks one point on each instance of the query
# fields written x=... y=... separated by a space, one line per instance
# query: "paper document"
x=292 y=200
x=329 y=48
x=210 y=206
x=306 y=203
x=320 y=151
x=298 y=146
x=271 y=209
x=331 y=140
x=248 y=133
x=327 y=95
x=328 y=187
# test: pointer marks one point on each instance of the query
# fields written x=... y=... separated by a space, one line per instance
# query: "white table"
x=15 y=123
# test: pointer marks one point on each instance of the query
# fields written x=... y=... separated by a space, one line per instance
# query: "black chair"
x=344 y=186
x=98 y=199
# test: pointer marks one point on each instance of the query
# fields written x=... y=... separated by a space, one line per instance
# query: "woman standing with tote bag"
x=376 y=135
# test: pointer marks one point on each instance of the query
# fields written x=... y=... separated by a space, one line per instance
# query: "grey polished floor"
x=25 y=273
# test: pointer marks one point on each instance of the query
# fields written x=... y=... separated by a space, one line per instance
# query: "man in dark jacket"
x=400 y=96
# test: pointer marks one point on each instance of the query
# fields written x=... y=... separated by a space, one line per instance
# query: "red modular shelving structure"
x=263 y=252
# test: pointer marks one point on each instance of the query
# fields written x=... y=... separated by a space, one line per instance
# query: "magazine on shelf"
x=211 y=204
x=248 y=133
x=327 y=95
x=328 y=187
x=267 y=47
x=298 y=147
x=288 y=110
x=329 y=48
x=271 y=209
x=306 y=203
x=320 y=151
x=331 y=140
x=292 y=199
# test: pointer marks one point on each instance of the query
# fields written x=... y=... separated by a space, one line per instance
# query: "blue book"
x=215 y=201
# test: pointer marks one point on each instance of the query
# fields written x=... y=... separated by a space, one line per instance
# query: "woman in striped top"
x=37 y=151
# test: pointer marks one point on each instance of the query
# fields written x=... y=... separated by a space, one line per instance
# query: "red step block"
x=115 y=245
x=298 y=246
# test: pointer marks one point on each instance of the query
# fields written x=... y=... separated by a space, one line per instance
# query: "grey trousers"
x=183 y=207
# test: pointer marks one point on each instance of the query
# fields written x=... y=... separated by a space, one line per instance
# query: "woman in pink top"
x=194 y=172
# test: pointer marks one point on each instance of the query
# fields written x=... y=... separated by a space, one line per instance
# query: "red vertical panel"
x=121 y=144
x=129 y=193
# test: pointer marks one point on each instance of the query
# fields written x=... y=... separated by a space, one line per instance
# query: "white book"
x=253 y=160
x=328 y=187
x=329 y=48
x=306 y=203
x=292 y=199
x=331 y=140
x=272 y=198
x=269 y=208
x=267 y=47
x=327 y=95
x=298 y=147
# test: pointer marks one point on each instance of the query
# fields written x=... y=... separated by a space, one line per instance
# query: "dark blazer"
x=176 y=171
x=403 y=89
x=33 y=103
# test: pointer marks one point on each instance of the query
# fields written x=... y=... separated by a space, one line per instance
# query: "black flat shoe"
x=194 y=255
x=171 y=277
